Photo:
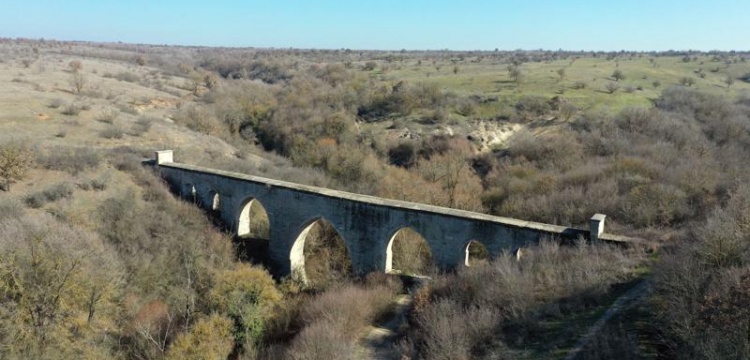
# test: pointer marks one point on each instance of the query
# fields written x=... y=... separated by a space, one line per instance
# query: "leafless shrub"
x=530 y=107
x=64 y=264
x=72 y=109
x=322 y=340
x=452 y=331
x=71 y=160
x=141 y=126
x=579 y=85
x=687 y=81
x=128 y=109
x=10 y=209
x=56 y=103
x=611 y=87
x=123 y=76
x=350 y=307
x=75 y=65
x=78 y=81
x=333 y=320
x=567 y=110
x=113 y=132
x=51 y=194
x=199 y=119
x=108 y=116
x=553 y=152
x=464 y=312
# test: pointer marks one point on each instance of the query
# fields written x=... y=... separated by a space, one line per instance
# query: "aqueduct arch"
x=363 y=222
x=474 y=251
x=253 y=221
x=325 y=231
x=407 y=245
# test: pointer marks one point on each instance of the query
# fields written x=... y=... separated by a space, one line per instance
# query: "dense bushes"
x=333 y=321
x=59 y=287
x=701 y=290
x=661 y=167
x=466 y=316
x=267 y=72
x=71 y=160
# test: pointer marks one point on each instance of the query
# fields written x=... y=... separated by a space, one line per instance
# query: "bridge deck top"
x=369 y=199
x=398 y=204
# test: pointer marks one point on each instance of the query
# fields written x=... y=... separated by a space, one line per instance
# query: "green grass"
x=490 y=77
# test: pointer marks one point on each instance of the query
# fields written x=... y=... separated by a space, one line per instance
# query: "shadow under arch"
x=252 y=233
x=319 y=255
x=409 y=253
x=475 y=253
x=189 y=193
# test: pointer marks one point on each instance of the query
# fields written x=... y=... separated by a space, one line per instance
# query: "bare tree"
x=687 y=81
x=729 y=80
x=618 y=75
x=611 y=87
x=515 y=74
x=78 y=81
x=75 y=65
x=141 y=60
x=561 y=74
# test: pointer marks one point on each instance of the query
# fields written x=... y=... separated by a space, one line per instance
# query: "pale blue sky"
x=391 y=24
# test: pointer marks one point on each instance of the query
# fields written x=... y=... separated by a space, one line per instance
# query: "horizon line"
x=497 y=49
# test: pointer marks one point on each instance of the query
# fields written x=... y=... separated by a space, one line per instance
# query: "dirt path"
x=379 y=340
x=622 y=303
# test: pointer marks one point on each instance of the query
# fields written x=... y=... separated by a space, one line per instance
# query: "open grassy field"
x=645 y=76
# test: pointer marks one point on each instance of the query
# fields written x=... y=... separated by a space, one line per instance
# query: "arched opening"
x=476 y=253
x=319 y=256
x=408 y=253
x=215 y=201
x=253 y=233
x=253 y=222
x=189 y=193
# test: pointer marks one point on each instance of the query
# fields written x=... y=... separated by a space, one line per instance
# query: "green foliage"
x=618 y=75
x=246 y=294
x=15 y=161
x=209 y=339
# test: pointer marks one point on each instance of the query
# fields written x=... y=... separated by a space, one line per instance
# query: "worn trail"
x=622 y=303
x=378 y=343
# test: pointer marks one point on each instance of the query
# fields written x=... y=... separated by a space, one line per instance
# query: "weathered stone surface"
x=366 y=223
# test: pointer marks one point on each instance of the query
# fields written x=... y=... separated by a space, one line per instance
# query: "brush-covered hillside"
x=98 y=259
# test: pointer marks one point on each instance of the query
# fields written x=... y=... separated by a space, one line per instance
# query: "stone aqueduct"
x=367 y=224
